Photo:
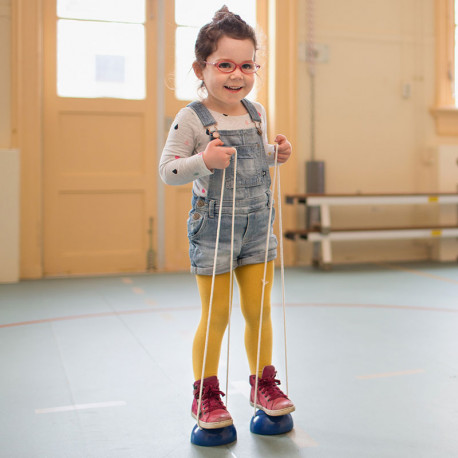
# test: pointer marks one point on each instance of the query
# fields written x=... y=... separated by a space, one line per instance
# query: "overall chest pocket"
x=249 y=167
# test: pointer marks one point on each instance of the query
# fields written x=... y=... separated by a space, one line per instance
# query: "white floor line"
x=69 y=408
x=301 y=438
x=390 y=374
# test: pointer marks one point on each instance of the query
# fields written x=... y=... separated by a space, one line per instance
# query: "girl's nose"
x=237 y=73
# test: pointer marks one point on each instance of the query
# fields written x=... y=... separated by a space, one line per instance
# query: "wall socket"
x=406 y=90
x=320 y=53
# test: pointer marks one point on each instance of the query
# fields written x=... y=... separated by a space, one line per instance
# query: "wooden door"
x=100 y=157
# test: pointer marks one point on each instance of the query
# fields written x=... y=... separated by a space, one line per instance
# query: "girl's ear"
x=198 y=70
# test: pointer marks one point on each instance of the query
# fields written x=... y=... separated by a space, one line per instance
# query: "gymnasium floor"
x=100 y=367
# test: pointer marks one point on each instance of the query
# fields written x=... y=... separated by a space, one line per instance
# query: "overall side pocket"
x=196 y=223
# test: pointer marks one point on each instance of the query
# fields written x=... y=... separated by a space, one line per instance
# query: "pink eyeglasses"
x=227 y=66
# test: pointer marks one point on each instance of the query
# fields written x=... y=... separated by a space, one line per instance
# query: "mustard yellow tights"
x=249 y=280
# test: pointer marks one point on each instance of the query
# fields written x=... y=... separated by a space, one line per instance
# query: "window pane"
x=186 y=82
x=103 y=10
x=98 y=59
x=190 y=20
x=202 y=11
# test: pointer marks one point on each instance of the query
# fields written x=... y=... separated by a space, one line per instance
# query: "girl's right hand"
x=216 y=156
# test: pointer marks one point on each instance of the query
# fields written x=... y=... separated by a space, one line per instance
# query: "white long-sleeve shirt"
x=182 y=161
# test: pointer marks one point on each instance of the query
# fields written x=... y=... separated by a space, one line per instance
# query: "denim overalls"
x=251 y=205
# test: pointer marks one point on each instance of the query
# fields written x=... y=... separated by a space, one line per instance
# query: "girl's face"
x=226 y=90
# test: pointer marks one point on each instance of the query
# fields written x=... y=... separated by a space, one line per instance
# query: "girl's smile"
x=234 y=89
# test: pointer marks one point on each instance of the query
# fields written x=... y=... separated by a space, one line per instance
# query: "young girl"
x=201 y=143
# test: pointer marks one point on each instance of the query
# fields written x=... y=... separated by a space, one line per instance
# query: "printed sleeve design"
x=181 y=162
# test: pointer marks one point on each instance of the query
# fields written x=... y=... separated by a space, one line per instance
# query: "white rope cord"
x=213 y=285
x=211 y=298
x=282 y=270
x=264 y=282
x=264 y=279
x=231 y=278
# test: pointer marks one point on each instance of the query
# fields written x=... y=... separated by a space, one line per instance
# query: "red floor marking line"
x=96 y=315
x=197 y=307
x=373 y=306
x=76 y=317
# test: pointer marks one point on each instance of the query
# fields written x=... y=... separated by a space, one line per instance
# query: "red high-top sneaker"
x=270 y=398
x=213 y=413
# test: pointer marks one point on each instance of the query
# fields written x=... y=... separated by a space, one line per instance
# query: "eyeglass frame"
x=215 y=64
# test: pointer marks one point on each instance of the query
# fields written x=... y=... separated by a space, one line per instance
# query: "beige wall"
x=371 y=137
x=5 y=73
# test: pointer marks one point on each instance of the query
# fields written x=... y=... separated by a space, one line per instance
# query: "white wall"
x=5 y=73
x=371 y=137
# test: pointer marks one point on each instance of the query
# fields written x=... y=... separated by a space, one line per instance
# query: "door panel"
x=99 y=172
x=82 y=135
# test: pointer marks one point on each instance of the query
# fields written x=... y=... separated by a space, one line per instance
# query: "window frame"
x=445 y=112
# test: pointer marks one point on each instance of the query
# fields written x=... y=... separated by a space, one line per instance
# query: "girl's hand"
x=217 y=156
x=284 y=148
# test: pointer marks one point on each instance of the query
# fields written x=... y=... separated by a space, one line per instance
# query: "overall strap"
x=207 y=120
x=254 y=115
x=204 y=115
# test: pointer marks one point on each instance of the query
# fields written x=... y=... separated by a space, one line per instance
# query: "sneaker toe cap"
x=281 y=403
x=216 y=416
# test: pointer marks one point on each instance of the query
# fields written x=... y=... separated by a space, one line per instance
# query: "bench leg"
x=316 y=255
x=325 y=219
x=326 y=255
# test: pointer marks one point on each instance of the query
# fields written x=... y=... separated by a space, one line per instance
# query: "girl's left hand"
x=284 y=148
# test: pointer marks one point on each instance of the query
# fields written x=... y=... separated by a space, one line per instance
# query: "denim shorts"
x=250 y=234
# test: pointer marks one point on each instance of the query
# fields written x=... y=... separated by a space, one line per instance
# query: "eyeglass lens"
x=228 y=67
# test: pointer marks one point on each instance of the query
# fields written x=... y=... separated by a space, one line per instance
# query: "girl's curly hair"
x=224 y=23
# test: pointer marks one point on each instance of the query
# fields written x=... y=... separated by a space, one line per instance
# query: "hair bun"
x=221 y=13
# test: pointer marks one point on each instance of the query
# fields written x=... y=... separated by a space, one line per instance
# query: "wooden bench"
x=323 y=233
